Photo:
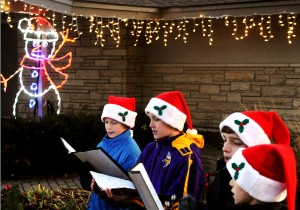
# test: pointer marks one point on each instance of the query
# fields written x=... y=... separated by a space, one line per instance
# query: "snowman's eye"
x=35 y=43
x=44 y=43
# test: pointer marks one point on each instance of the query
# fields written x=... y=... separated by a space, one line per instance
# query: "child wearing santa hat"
x=174 y=160
x=242 y=130
x=263 y=176
x=119 y=118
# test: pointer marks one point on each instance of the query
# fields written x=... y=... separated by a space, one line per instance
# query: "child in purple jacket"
x=174 y=160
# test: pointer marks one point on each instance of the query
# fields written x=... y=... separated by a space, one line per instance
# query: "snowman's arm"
x=64 y=40
x=4 y=81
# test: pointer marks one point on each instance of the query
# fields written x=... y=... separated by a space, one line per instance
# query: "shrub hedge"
x=33 y=147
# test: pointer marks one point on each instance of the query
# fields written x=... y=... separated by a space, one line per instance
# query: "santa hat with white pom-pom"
x=258 y=127
x=266 y=172
x=121 y=109
x=172 y=109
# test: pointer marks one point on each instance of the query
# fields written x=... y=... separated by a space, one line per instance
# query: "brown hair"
x=227 y=129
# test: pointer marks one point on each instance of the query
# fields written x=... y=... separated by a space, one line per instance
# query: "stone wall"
x=212 y=90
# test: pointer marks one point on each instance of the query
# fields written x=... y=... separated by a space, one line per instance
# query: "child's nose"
x=151 y=124
x=226 y=147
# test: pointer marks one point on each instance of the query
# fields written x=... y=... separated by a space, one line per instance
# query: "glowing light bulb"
x=32 y=103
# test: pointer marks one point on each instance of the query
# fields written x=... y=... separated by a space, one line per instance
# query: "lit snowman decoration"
x=40 y=58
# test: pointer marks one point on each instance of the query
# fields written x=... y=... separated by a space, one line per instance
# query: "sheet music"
x=68 y=146
x=99 y=160
x=143 y=184
x=105 y=181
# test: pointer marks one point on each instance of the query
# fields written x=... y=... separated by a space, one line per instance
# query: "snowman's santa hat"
x=37 y=28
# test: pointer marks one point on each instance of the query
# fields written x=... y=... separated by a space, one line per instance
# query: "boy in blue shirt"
x=119 y=117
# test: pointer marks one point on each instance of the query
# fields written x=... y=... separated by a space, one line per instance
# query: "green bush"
x=11 y=198
x=42 y=198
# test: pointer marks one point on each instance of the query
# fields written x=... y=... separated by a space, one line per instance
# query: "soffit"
x=168 y=9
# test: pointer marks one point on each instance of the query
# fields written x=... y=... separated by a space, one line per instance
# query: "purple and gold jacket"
x=175 y=167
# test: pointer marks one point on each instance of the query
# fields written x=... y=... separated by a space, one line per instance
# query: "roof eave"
x=119 y=11
x=263 y=8
x=143 y=13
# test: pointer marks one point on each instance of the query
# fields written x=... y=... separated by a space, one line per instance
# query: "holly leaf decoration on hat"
x=160 y=109
x=241 y=124
x=237 y=169
x=123 y=115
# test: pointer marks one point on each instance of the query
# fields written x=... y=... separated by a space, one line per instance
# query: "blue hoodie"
x=125 y=151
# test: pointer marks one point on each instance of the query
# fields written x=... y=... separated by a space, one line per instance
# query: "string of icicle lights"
x=180 y=29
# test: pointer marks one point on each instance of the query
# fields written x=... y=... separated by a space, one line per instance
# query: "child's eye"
x=238 y=143
x=156 y=119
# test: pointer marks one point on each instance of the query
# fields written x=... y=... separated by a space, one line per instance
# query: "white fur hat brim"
x=250 y=180
x=119 y=114
x=170 y=115
x=251 y=133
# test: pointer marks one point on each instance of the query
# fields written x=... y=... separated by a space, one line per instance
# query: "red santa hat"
x=266 y=172
x=172 y=109
x=34 y=27
x=121 y=109
x=258 y=127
